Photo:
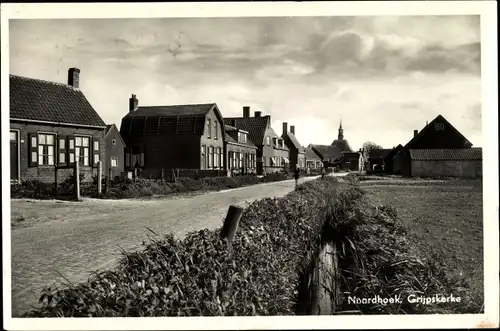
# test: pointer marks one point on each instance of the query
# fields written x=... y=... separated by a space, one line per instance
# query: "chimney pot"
x=133 y=103
x=285 y=128
x=292 y=129
x=415 y=132
x=246 y=111
x=258 y=114
x=74 y=77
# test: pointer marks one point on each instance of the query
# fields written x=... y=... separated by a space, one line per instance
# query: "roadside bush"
x=201 y=275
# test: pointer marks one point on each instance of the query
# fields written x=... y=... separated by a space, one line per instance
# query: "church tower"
x=341 y=132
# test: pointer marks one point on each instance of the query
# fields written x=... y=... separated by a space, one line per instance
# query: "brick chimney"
x=292 y=129
x=246 y=111
x=133 y=103
x=268 y=120
x=415 y=132
x=74 y=77
x=285 y=128
x=258 y=114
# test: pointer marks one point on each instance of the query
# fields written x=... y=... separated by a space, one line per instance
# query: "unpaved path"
x=75 y=238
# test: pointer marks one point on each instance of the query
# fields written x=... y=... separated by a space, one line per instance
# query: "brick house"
x=240 y=152
x=297 y=152
x=52 y=125
x=439 y=148
x=114 y=163
x=313 y=160
x=272 y=153
x=188 y=138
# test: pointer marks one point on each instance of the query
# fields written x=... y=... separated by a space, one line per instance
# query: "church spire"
x=341 y=131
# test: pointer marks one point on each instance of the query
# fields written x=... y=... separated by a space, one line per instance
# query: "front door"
x=14 y=155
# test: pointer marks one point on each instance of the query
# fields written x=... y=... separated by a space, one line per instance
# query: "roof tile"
x=474 y=153
x=40 y=100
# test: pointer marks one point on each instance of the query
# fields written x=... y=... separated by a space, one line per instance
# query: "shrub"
x=201 y=275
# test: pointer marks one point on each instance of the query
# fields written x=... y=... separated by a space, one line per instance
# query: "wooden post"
x=55 y=181
x=77 y=180
x=231 y=223
x=173 y=175
x=108 y=180
x=99 y=178
x=162 y=176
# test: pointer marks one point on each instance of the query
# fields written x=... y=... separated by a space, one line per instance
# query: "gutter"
x=57 y=123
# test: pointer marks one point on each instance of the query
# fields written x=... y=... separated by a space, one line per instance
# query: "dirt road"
x=75 y=238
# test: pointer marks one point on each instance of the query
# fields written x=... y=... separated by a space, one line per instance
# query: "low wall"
x=467 y=169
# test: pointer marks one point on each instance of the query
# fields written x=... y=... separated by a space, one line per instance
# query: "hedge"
x=200 y=275
x=261 y=272
x=127 y=188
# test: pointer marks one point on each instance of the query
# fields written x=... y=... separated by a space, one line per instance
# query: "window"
x=211 y=157
x=82 y=150
x=13 y=136
x=46 y=146
x=203 y=157
x=221 y=158
x=438 y=126
x=114 y=162
x=62 y=143
x=241 y=160
x=268 y=141
x=113 y=142
x=216 y=129
x=209 y=128
x=216 y=158
x=96 y=145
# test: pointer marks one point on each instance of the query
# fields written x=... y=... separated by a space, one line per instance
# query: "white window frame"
x=41 y=156
x=78 y=157
x=113 y=158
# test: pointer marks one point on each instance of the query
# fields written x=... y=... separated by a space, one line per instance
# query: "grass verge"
x=259 y=274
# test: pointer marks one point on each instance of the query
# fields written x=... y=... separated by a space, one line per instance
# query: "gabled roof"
x=327 y=152
x=172 y=119
x=311 y=154
x=39 y=100
x=111 y=127
x=426 y=128
x=379 y=153
x=455 y=154
x=255 y=126
x=229 y=139
x=342 y=145
x=291 y=137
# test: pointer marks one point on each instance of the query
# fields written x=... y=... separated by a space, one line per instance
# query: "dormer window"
x=242 y=137
x=438 y=126
x=268 y=141
x=275 y=141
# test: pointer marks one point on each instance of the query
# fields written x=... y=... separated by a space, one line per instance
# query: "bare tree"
x=369 y=146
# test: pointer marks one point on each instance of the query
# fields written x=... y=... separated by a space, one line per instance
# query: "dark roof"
x=255 y=126
x=454 y=154
x=172 y=110
x=40 y=100
x=230 y=139
x=311 y=154
x=439 y=118
x=108 y=127
x=173 y=119
x=342 y=145
x=294 y=141
x=327 y=152
x=379 y=153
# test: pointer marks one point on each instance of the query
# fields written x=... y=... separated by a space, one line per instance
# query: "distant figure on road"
x=296 y=174
x=323 y=172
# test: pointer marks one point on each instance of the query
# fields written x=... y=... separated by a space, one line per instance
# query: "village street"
x=74 y=238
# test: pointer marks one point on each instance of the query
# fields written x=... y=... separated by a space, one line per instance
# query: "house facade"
x=272 y=153
x=188 y=139
x=240 y=152
x=440 y=137
x=297 y=152
x=114 y=162
x=313 y=160
x=376 y=160
x=52 y=126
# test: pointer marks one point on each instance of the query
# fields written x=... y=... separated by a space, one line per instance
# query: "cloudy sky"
x=383 y=76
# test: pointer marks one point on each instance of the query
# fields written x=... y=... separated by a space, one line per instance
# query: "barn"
x=464 y=162
x=438 y=150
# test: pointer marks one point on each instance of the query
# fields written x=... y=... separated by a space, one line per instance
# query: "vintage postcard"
x=304 y=165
